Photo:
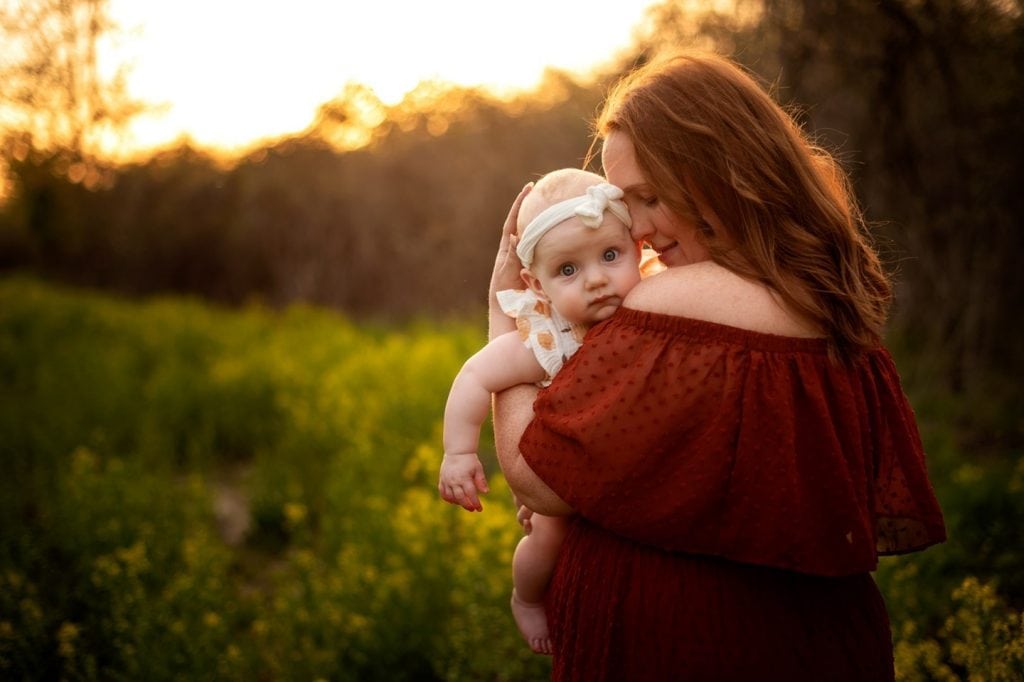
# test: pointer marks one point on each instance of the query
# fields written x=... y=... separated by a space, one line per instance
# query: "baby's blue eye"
x=567 y=270
x=610 y=255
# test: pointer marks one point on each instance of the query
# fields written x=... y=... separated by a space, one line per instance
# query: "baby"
x=579 y=262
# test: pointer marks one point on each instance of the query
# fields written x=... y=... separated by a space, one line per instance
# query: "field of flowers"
x=191 y=492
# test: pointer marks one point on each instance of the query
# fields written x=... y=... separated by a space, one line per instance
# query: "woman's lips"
x=666 y=251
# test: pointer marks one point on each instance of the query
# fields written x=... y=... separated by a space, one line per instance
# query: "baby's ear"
x=533 y=283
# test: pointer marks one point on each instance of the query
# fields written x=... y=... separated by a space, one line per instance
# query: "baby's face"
x=585 y=272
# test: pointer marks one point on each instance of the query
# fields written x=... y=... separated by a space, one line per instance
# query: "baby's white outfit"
x=552 y=339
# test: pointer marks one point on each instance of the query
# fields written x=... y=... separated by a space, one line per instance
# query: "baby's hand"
x=462 y=477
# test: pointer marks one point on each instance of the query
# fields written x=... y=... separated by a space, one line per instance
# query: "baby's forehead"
x=543 y=197
x=568 y=189
x=571 y=234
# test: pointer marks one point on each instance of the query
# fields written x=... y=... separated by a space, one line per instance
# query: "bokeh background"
x=224 y=367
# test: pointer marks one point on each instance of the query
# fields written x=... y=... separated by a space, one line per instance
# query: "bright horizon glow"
x=233 y=73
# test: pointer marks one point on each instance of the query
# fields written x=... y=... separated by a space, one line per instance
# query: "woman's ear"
x=533 y=283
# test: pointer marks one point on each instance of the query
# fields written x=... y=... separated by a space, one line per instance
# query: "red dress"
x=734 y=491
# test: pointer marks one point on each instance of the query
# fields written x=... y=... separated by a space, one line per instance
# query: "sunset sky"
x=232 y=72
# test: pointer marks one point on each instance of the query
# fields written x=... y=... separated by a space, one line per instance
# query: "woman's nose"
x=640 y=230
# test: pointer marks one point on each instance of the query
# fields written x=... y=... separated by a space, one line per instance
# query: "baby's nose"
x=596 y=277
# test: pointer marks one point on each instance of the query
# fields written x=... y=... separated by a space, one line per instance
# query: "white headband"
x=590 y=208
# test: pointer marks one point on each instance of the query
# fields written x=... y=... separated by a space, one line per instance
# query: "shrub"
x=127 y=424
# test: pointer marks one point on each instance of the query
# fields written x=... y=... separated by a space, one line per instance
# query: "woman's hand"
x=506 y=271
x=506 y=264
x=525 y=518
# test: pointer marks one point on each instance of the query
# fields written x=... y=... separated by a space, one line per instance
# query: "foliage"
x=131 y=433
x=127 y=427
x=980 y=640
x=376 y=230
x=55 y=92
x=922 y=101
x=956 y=609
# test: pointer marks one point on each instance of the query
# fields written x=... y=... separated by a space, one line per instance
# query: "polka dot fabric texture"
x=685 y=441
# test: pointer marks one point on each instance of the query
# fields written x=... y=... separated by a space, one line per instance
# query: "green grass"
x=126 y=428
x=124 y=424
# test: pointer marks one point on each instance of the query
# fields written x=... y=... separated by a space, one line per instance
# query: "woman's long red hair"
x=706 y=133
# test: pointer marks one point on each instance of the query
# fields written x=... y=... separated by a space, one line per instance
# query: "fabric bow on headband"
x=589 y=207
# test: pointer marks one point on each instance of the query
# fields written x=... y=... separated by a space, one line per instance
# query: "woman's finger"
x=506 y=262
x=509 y=227
x=524 y=516
x=506 y=247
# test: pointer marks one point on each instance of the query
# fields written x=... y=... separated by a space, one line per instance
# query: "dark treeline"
x=922 y=99
x=404 y=226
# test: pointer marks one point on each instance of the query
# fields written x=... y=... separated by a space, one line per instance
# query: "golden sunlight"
x=232 y=73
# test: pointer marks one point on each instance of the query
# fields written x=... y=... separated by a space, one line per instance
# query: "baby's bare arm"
x=513 y=408
x=505 y=361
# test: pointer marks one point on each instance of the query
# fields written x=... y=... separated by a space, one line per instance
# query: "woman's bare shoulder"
x=683 y=291
x=707 y=291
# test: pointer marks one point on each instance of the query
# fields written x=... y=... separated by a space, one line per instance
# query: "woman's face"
x=671 y=235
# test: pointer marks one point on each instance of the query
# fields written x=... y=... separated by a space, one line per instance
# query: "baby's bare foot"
x=532 y=623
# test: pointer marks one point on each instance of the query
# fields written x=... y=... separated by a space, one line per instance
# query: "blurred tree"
x=935 y=90
x=53 y=90
x=351 y=119
x=61 y=106
x=394 y=209
x=403 y=225
x=922 y=101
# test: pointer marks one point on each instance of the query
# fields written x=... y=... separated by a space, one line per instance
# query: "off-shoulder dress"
x=734 y=490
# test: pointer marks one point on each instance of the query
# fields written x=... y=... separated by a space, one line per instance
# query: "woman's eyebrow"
x=636 y=188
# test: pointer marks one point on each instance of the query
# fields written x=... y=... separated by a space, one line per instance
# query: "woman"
x=733 y=442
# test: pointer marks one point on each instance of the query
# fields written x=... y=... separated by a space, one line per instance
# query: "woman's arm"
x=513 y=409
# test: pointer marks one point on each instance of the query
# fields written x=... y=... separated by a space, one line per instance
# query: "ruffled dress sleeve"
x=696 y=437
x=551 y=337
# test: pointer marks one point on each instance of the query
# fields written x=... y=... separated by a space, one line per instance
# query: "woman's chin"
x=675 y=255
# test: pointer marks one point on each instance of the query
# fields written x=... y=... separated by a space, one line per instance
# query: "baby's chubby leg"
x=532 y=565
x=535 y=557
